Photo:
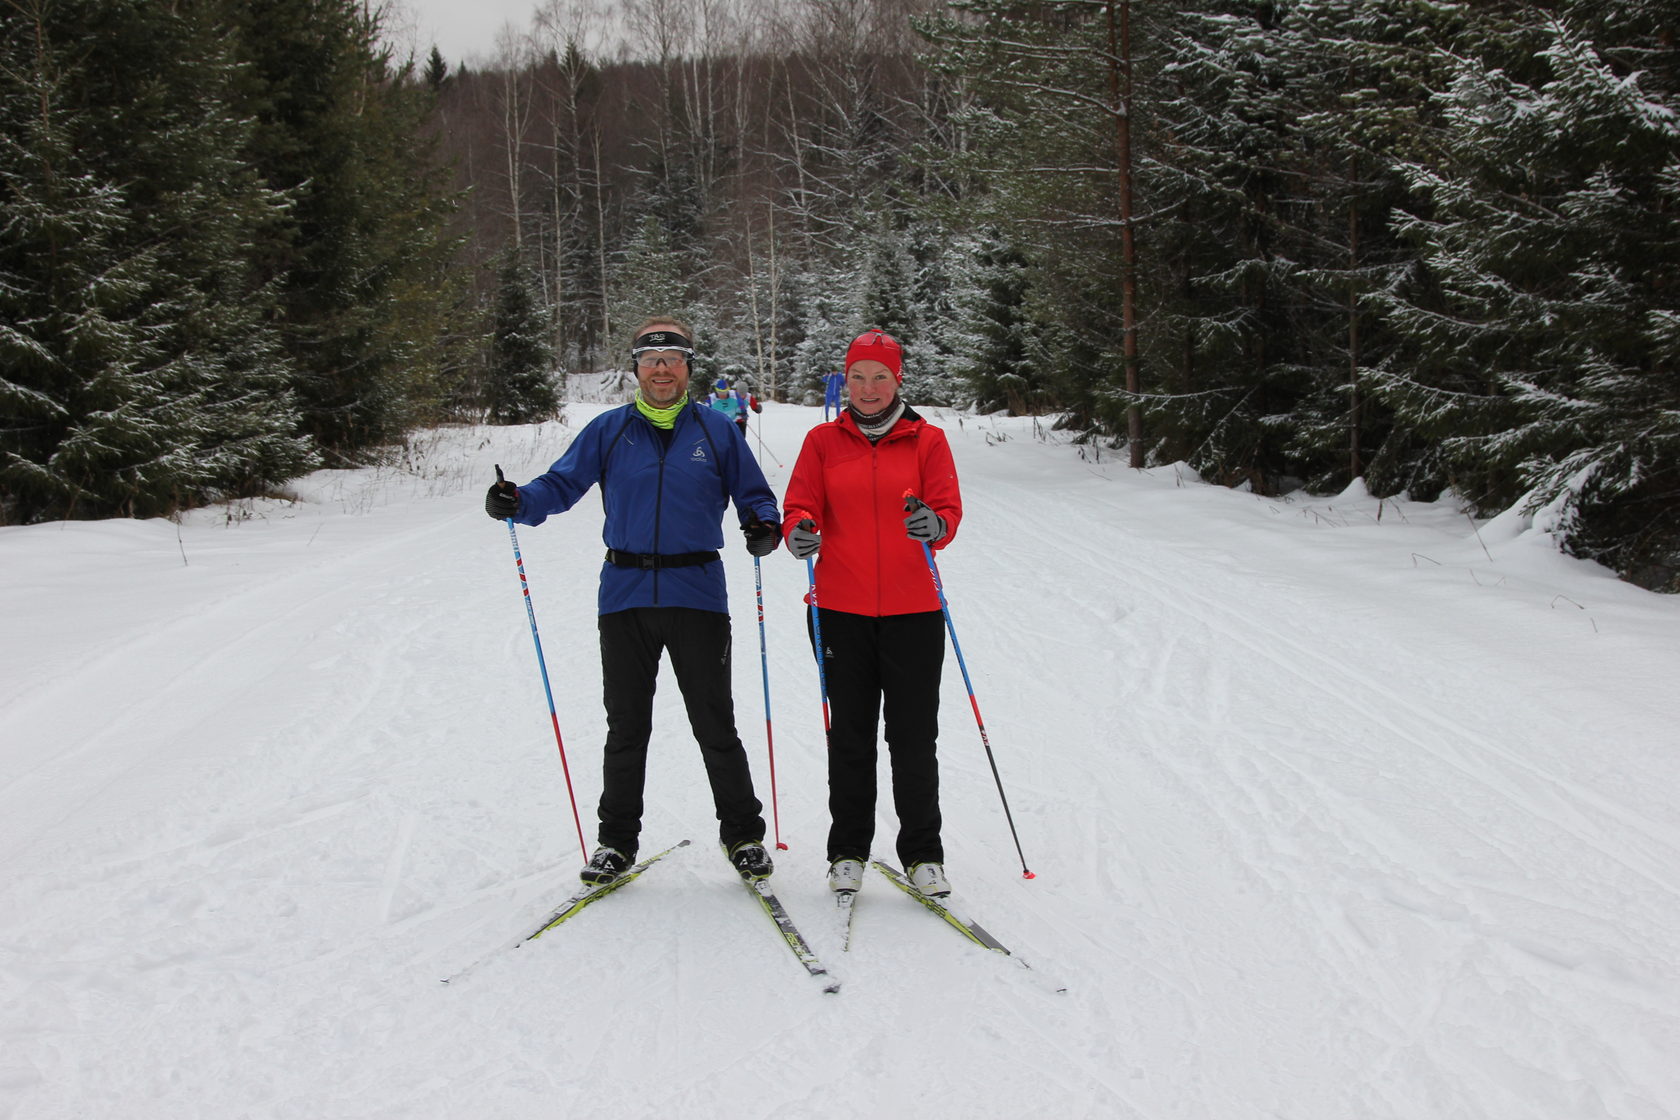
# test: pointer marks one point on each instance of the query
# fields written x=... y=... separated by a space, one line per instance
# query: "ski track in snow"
x=1338 y=809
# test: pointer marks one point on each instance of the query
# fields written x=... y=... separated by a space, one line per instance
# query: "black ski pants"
x=875 y=668
x=699 y=644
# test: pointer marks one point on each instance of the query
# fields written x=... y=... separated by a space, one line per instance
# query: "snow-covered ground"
x=1339 y=809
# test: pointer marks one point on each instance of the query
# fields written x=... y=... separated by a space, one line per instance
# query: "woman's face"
x=871 y=386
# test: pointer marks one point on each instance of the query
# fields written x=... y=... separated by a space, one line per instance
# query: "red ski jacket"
x=854 y=492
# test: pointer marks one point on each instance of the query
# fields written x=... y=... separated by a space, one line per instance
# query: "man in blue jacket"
x=667 y=467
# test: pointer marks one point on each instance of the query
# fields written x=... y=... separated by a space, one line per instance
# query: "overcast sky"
x=462 y=29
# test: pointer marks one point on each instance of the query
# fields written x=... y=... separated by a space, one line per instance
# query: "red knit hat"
x=876 y=345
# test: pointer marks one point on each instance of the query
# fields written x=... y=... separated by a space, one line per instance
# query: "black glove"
x=924 y=525
x=804 y=541
x=761 y=536
x=502 y=502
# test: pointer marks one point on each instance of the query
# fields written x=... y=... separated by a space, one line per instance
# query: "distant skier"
x=883 y=633
x=834 y=391
x=665 y=465
x=734 y=402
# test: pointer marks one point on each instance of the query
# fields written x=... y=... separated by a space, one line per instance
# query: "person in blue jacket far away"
x=667 y=468
x=834 y=392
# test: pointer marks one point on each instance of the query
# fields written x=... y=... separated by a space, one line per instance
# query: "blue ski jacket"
x=660 y=498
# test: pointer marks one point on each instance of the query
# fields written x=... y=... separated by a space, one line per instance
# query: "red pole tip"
x=1025 y=874
x=781 y=847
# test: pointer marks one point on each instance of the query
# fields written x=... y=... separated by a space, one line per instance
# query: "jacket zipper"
x=875 y=492
x=659 y=501
x=880 y=572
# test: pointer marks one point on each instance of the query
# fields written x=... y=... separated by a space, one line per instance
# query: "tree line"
x=1426 y=244
x=1429 y=245
x=225 y=252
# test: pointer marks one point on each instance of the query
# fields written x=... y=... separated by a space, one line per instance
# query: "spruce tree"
x=652 y=276
x=70 y=297
x=142 y=363
x=832 y=314
x=1274 y=176
x=995 y=344
x=936 y=262
x=522 y=375
x=1214 y=177
x=372 y=307
x=1040 y=159
x=1538 y=336
x=887 y=270
x=437 y=70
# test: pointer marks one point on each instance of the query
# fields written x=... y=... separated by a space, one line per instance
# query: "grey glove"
x=804 y=541
x=924 y=525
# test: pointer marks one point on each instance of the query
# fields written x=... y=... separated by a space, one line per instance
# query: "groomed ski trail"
x=1332 y=816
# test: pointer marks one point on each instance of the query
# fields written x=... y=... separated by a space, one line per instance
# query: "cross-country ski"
x=584 y=896
x=948 y=911
x=790 y=935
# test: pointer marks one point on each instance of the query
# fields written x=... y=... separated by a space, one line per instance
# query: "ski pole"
x=758 y=430
x=911 y=504
x=769 y=727
x=542 y=665
x=816 y=630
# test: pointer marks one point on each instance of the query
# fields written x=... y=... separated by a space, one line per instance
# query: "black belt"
x=654 y=561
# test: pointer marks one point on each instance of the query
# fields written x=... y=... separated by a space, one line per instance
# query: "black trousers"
x=699 y=644
x=883 y=667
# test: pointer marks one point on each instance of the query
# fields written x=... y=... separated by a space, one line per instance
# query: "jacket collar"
x=907 y=425
x=691 y=407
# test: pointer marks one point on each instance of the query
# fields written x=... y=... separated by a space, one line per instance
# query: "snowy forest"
x=1430 y=245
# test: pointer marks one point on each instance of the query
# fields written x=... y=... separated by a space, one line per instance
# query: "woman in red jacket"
x=882 y=630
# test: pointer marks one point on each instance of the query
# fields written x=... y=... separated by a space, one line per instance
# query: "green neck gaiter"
x=660 y=417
